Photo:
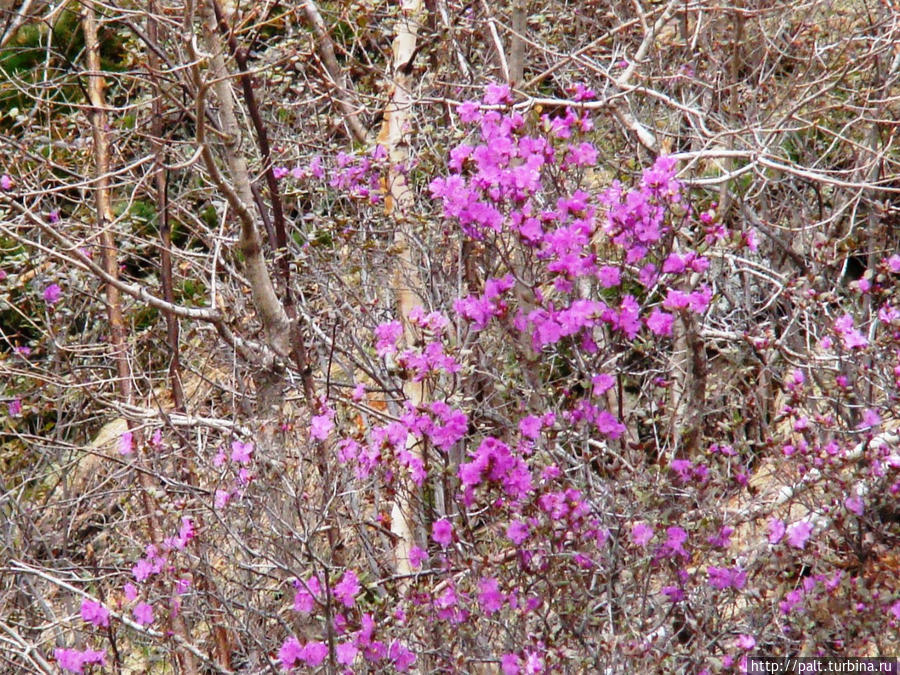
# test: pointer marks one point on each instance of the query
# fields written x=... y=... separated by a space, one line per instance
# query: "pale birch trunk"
x=400 y=203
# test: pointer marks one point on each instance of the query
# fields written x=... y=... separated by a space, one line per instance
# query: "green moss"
x=144 y=318
x=210 y=217
x=37 y=54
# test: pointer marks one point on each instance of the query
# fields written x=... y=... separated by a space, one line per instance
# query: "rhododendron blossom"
x=95 y=613
x=74 y=660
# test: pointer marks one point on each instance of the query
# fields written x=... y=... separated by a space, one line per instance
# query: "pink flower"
x=795 y=379
x=240 y=452
x=315 y=167
x=659 y=322
x=870 y=419
x=855 y=504
x=798 y=534
x=345 y=653
x=417 y=556
x=314 y=653
x=582 y=93
x=893 y=263
x=888 y=315
x=291 y=653
x=726 y=577
x=130 y=591
x=850 y=336
x=682 y=467
x=608 y=424
x=609 y=276
x=6 y=183
x=347 y=588
x=489 y=596
x=185 y=533
x=402 y=657
x=468 y=111
x=699 y=300
x=673 y=593
x=751 y=239
x=517 y=532
x=675 y=538
x=221 y=499
x=791 y=600
x=126 y=443
x=52 y=294
x=628 y=321
x=895 y=610
x=142 y=569
x=723 y=538
x=602 y=382
x=495 y=94
x=442 y=532
x=386 y=337
x=641 y=534
x=74 y=660
x=776 y=530
x=95 y=613
x=305 y=597
x=746 y=642
x=676 y=299
x=582 y=154
x=647 y=275
x=321 y=425
x=530 y=427
x=15 y=407
x=674 y=264
x=143 y=613
x=509 y=664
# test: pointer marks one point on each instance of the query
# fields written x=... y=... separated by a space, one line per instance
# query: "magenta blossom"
x=442 y=532
x=305 y=597
x=347 y=588
x=517 y=532
x=489 y=596
x=321 y=425
x=74 y=660
x=15 y=407
x=798 y=534
x=241 y=452
x=126 y=443
x=726 y=577
x=641 y=534
x=776 y=530
x=675 y=539
x=52 y=294
x=95 y=613
x=143 y=613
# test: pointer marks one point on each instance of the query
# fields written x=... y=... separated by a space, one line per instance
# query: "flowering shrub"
x=541 y=558
x=592 y=489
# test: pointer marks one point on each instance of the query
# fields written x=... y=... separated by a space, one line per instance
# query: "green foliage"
x=191 y=292
x=38 y=55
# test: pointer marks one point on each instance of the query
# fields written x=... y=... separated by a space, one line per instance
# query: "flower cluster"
x=353 y=646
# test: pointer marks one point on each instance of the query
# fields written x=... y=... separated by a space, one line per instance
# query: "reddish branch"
x=100 y=130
